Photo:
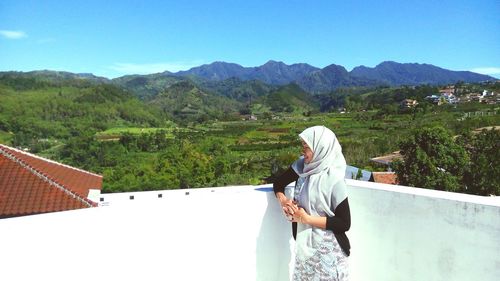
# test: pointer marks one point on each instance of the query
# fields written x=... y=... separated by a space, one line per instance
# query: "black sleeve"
x=284 y=179
x=341 y=222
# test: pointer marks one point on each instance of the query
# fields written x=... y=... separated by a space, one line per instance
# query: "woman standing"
x=320 y=210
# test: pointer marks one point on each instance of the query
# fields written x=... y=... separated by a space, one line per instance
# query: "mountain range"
x=219 y=83
x=214 y=91
x=272 y=72
x=331 y=77
x=395 y=74
x=214 y=77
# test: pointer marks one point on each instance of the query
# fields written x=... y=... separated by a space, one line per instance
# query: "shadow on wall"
x=274 y=243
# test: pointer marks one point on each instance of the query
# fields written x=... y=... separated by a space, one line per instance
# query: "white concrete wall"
x=418 y=234
x=229 y=234
x=239 y=233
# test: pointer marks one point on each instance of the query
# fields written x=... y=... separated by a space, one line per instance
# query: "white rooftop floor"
x=238 y=233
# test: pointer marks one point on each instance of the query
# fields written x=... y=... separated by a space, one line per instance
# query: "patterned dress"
x=329 y=263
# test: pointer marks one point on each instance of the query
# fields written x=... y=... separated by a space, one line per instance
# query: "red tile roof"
x=30 y=184
x=385 y=177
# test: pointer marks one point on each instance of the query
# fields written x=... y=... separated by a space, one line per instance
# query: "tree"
x=431 y=159
x=82 y=152
x=188 y=166
x=483 y=172
x=353 y=103
x=386 y=110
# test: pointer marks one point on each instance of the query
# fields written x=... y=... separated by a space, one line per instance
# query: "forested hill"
x=46 y=78
x=237 y=89
x=290 y=98
x=147 y=87
x=183 y=101
x=160 y=96
x=37 y=110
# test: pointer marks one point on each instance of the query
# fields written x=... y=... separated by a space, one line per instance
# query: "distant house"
x=475 y=97
x=442 y=98
x=433 y=98
x=408 y=103
x=30 y=185
x=449 y=98
x=386 y=160
x=489 y=97
x=466 y=98
x=250 y=117
x=449 y=90
x=486 y=96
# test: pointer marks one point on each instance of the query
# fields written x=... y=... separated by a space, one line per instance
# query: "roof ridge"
x=48 y=160
x=45 y=178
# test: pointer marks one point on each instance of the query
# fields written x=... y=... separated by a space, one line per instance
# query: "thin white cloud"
x=12 y=34
x=487 y=70
x=148 y=68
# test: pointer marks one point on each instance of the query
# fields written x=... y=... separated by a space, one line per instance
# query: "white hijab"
x=321 y=186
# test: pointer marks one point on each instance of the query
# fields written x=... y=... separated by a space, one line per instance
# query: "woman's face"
x=307 y=153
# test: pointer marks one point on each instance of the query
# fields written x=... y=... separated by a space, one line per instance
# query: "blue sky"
x=114 y=38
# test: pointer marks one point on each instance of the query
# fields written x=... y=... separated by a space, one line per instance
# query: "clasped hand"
x=293 y=212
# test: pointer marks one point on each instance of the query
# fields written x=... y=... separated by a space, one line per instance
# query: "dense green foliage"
x=184 y=135
x=433 y=159
x=482 y=175
x=154 y=160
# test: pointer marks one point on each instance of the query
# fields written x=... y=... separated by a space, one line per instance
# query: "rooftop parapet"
x=239 y=233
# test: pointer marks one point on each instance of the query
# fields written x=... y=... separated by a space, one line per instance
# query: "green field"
x=115 y=133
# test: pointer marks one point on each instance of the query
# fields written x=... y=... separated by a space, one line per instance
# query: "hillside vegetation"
x=188 y=133
x=42 y=112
